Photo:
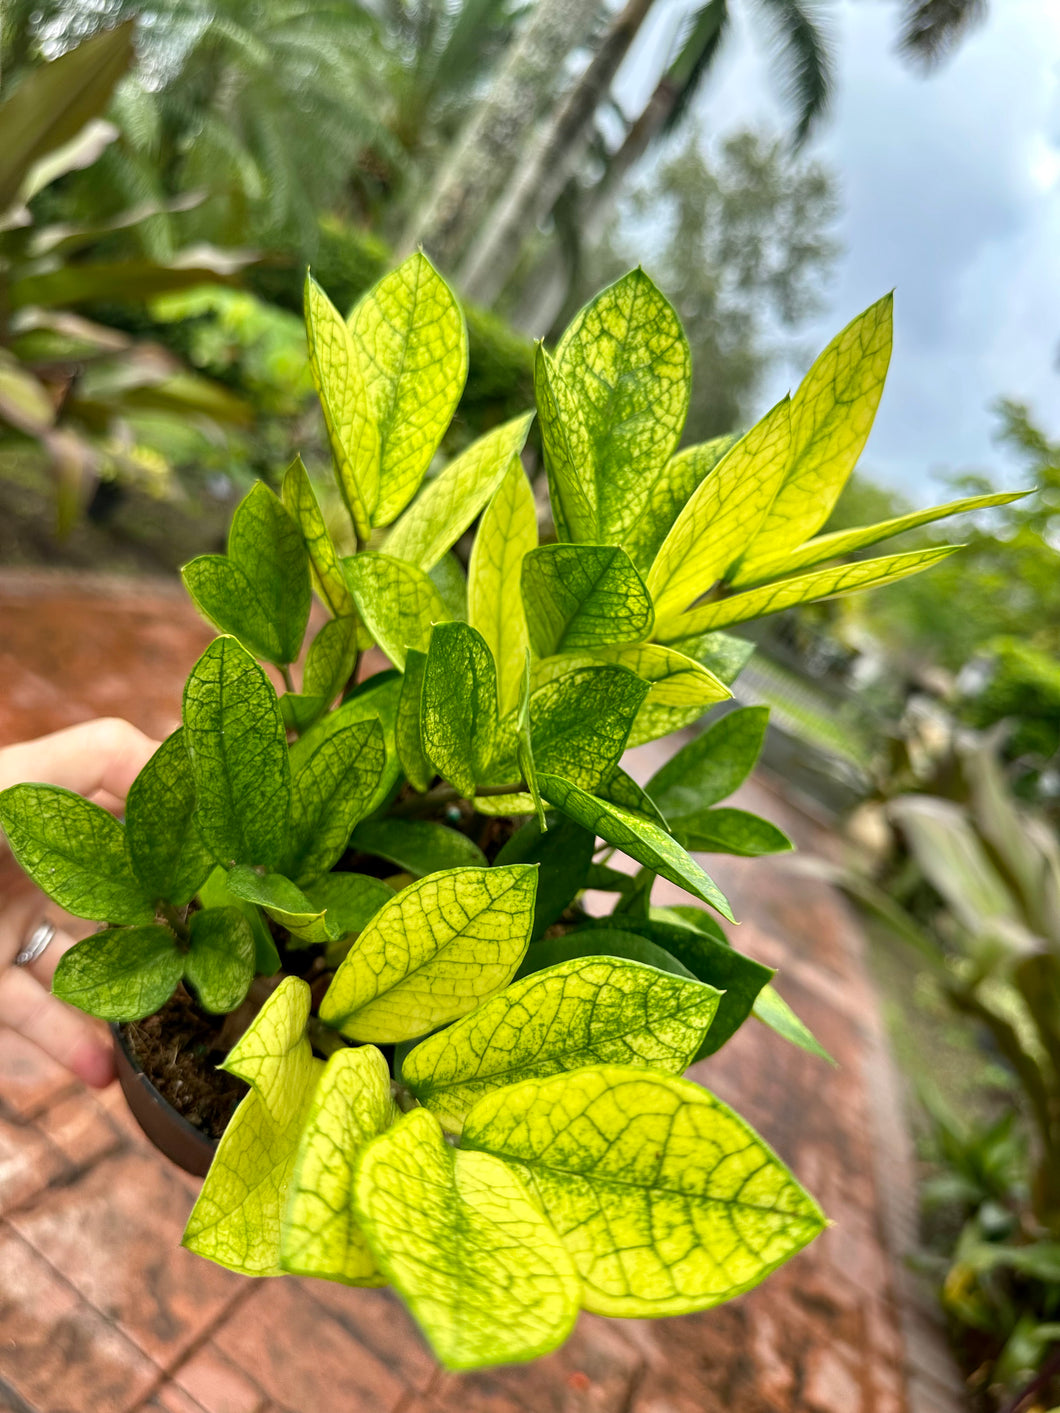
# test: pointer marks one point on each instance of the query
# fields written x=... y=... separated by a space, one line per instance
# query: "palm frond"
x=804 y=55
x=699 y=43
x=932 y=29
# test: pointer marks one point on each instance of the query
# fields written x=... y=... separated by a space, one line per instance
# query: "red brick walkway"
x=102 y=1312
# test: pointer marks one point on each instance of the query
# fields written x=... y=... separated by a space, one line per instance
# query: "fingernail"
x=93 y=1064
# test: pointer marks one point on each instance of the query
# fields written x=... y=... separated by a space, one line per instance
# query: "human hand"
x=99 y=759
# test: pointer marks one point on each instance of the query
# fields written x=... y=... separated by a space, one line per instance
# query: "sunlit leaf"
x=351 y=1104
x=458 y=1235
x=831 y=416
x=237 y=1216
x=843 y=542
x=507 y=532
x=722 y=516
x=568 y=454
x=447 y=505
x=432 y=953
x=666 y=1201
x=588 y=1011
x=301 y=502
x=397 y=602
x=626 y=360
x=804 y=588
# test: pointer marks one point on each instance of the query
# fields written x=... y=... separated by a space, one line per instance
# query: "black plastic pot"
x=167 y=1129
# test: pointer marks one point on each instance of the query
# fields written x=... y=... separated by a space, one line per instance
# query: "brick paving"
x=101 y=1311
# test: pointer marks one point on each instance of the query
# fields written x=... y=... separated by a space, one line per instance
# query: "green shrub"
x=464 y=1084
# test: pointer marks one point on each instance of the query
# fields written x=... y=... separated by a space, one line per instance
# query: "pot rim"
x=143 y=1078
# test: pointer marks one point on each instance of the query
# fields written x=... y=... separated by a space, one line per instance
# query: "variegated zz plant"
x=460 y=1082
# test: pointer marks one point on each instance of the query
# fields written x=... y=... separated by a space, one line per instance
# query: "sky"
x=950 y=187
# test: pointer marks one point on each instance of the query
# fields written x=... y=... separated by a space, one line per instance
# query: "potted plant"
x=365 y=893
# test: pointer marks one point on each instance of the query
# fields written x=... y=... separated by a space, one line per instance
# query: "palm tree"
x=487 y=149
x=931 y=29
x=805 y=63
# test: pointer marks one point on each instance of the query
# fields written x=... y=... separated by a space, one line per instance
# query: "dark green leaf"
x=238 y=747
x=397 y=601
x=350 y=899
x=332 y=791
x=75 y=852
x=215 y=893
x=166 y=848
x=418 y=846
x=220 y=961
x=260 y=593
x=565 y=853
x=621 y=789
x=122 y=974
x=284 y=902
x=600 y=942
x=729 y=831
x=711 y=765
x=638 y=837
x=374 y=700
x=583 y=597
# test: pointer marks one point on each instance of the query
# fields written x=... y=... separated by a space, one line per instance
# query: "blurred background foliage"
x=169 y=168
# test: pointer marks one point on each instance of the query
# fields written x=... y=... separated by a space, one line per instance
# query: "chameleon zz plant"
x=459 y=1082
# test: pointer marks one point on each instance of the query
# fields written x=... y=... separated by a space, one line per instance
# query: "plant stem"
x=173 y=917
x=288 y=680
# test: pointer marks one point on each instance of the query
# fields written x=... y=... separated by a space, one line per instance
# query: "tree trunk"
x=540 y=177
x=547 y=288
x=486 y=150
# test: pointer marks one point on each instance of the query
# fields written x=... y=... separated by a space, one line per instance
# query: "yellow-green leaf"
x=722 y=516
x=568 y=454
x=685 y=470
x=841 y=542
x=506 y=532
x=301 y=502
x=236 y=1220
x=579 y=597
x=351 y=1104
x=666 y=1200
x=410 y=341
x=638 y=837
x=831 y=417
x=681 y=689
x=397 y=602
x=448 y=504
x=805 y=588
x=626 y=360
x=459 y=706
x=432 y=953
x=588 y=1011
x=339 y=380
x=458 y=1235
x=409 y=729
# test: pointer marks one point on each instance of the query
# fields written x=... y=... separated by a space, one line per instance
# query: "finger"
x=76 y=1041
x=106 y=754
